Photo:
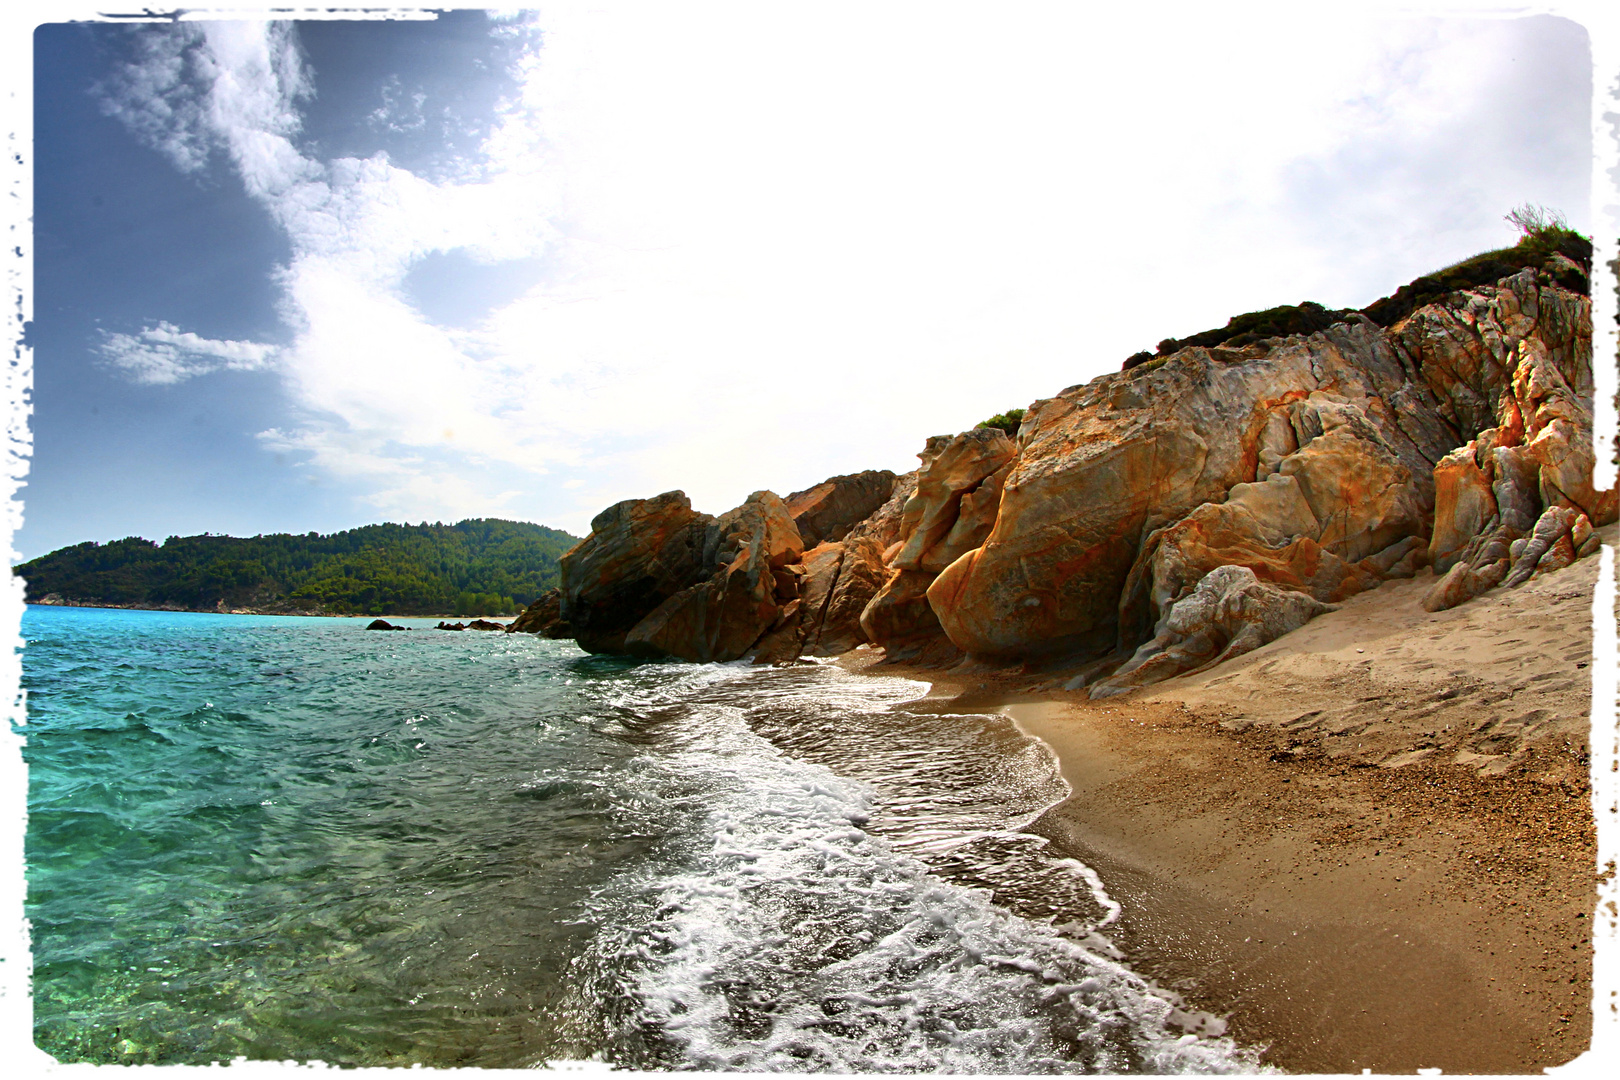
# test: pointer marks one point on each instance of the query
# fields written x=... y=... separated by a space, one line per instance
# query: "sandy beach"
x=1367 y=845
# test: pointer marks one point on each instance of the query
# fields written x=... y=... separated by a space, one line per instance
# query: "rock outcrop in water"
x=654 y=578
x=543 y=617
x=1155 y=520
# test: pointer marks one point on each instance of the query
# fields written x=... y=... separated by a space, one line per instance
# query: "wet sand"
x=1367 y=845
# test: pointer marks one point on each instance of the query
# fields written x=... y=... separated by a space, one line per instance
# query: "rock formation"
x=543 y=617
x=639 y=553
x=1228 y=613
x=722 y=616
x=1317 y=462
x=654 y=578
x=1188 y=508
x=830 y=509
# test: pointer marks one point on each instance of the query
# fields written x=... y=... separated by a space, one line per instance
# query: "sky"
x=311 y=275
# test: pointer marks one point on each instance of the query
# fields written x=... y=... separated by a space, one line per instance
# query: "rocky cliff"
x=1153 y=521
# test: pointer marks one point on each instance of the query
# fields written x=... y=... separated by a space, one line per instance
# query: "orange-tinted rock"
x=1580 y=531
x=1552 y=526
x=763 y=521
x=1267 y=527
x=883 y=527
x=1558 y=556
x=1362 y=496
x=900 y=619
x=975 y=517
x=721 y=619
x=821 y=567
x=1113 y=508
x=861 y=575
x=952 y=468
x=839 y=580
x=1517 y=356
x=1463 y=582
x=1463 y=503
x=639 y=553
x=830 y=509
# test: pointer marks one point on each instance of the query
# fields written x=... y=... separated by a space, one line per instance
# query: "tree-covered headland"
x=482 y=566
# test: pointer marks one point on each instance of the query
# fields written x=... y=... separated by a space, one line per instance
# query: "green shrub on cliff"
x=1007 y=421
x=1540 y=242
x=1306 y=317
x=1544 y=234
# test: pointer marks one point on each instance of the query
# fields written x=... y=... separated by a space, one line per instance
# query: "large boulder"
x=830 y=509
x=861 y=576
x=883 y=526
x=1103 y=466
x=1334 y=504
x=949 y=511
x=838 y=581
x=723 y=617
x=1463 y=502
x=639 y=553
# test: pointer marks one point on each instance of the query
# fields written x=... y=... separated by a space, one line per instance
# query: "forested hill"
x=483 y=566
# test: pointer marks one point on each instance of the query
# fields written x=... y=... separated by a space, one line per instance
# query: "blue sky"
x=306 y=276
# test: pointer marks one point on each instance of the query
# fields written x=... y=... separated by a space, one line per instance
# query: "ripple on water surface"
x=289 y=838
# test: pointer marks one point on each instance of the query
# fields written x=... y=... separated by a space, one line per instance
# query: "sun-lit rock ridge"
x=1154 y=520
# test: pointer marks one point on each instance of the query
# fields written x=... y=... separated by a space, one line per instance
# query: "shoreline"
x=261 y=611
x=1366 y=845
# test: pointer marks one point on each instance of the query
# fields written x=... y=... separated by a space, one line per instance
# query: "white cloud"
x=164 y=354
x=778 y=247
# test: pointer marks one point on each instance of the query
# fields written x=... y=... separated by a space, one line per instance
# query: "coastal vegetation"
x=1007 y=421
x=481 y=566
x=1546 y=243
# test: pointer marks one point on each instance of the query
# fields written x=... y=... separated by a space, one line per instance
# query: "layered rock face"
x=1318 y=463
x=1228 y=613
x=750 y=549
x=639 y=553
x=830 y=509
x=1158 y=519
x=655 y=578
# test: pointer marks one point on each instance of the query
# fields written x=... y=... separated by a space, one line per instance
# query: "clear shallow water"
x=291 y=838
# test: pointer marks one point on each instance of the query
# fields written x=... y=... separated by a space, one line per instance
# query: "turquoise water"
x=291 y=838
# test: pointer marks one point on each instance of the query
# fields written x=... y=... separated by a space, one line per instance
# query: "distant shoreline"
x=251 y=611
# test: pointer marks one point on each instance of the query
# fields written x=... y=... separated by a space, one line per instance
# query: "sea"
x=296 y=839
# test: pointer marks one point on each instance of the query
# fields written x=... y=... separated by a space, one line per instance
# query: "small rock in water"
x=384 y=624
